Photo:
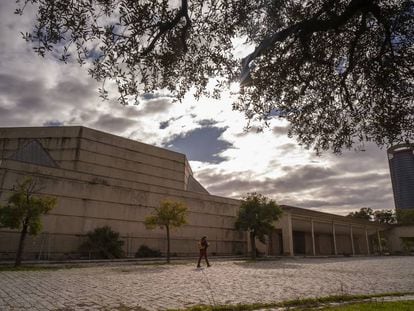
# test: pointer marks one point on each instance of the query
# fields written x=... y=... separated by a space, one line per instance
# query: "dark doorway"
x=299 y=245
x=276 y=243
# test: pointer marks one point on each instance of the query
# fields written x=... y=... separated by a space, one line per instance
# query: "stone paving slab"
x=179 y=286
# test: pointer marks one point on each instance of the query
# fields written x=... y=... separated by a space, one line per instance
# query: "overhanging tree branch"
x=296 y=64
x=167 y=26
x=376 y=12
x=305 y=27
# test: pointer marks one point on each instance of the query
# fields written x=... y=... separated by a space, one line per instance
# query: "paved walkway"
x=179 y=286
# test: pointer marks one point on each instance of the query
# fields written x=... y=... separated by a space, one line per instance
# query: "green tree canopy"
x=169 y=215
x=364 y=213
x=257 y=215
x=23 y=212
x=340 y=71
x=386 y=216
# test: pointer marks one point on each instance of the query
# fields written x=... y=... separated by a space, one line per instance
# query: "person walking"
x=203 y=245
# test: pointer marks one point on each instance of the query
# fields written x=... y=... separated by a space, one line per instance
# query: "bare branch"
x=351 y=60
x=376 y=11
x=304 y=27
x=167 y=26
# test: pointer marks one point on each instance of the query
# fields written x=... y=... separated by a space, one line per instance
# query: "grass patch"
x=374 y=306
x=297 y=303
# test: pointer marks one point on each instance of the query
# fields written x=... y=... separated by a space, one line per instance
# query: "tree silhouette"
x=364 y=213
x=386 y=216
x=340 y=71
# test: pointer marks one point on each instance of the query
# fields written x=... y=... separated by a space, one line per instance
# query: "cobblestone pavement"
x=177 y=286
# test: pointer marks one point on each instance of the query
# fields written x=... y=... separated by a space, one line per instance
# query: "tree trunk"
x=168 y=243
x=19 y=253
x=253 y=244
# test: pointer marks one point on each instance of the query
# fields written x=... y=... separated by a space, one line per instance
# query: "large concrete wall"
x=101 y=179
x=86 y=150
x=107 y=180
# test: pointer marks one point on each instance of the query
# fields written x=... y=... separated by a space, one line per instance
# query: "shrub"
x=145 y=251
x=103 y=243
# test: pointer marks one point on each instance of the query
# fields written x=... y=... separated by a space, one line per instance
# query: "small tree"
x=23 y=212
x=104 y=243
x=169 y=215
x=385 y=216
x=257 y=215
x=364 y=213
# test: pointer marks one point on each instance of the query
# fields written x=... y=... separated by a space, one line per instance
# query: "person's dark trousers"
x=203 y=253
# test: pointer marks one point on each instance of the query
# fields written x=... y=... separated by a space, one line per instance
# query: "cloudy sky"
x=225 y=159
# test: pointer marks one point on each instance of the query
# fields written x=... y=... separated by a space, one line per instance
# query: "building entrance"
x=299 y=243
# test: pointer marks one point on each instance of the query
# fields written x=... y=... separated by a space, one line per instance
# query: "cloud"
x=202 y=144
x=155 y=106
x=280 y=130
x=373 y=158
x=325 y=188
x=34 y=102
x=108 y=122
x=53 y=123
x=288 y=147
x=164 y=124
x=68 y=89
x=207 y=122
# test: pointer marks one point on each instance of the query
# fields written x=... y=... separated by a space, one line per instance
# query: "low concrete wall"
x=395 y=238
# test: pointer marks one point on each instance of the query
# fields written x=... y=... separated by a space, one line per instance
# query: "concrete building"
x=101 y=179
x=401 y=162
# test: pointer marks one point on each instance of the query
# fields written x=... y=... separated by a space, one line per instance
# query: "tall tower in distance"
x=401 y=162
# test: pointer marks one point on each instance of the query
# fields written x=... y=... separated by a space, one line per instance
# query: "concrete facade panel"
x=108 y=150
x=324 y=244
x=60 y=150
x=128 y=175
x=343 y=244
x=129 y=165
x=131 y=145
